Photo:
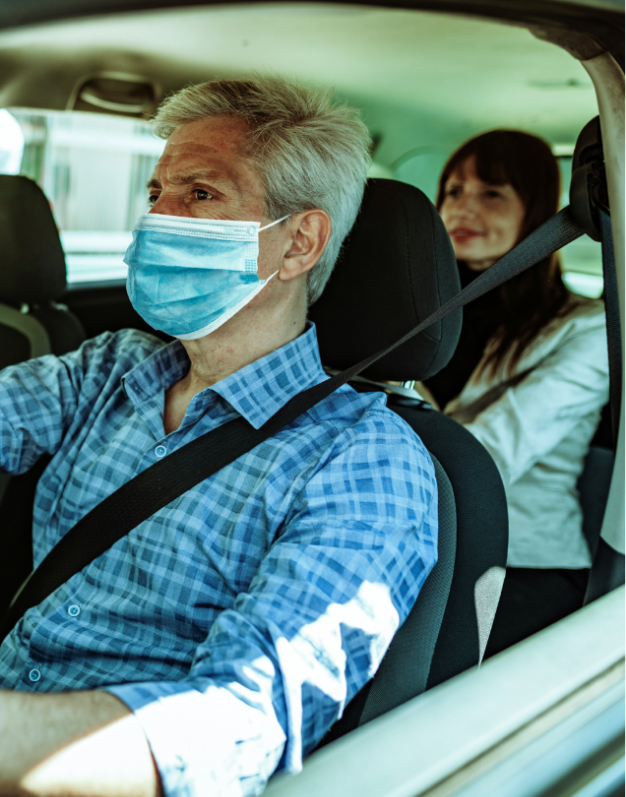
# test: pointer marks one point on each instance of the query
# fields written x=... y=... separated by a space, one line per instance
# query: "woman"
x=530 y=375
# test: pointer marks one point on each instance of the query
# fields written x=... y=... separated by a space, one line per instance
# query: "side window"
x=421 y=167
x=93 y=169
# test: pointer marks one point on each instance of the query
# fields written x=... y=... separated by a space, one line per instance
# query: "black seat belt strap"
x=158 y=485
x=613 y=326
x=607 y=569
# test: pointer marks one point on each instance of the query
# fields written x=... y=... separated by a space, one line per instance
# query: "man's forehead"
x=221 y=134
x=189 y=161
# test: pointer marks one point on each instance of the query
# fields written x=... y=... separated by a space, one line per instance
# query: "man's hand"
x=77 y=744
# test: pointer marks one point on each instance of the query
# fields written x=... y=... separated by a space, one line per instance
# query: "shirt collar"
x=257 y=391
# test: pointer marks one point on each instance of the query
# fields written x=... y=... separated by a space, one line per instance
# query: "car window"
x=93 y=168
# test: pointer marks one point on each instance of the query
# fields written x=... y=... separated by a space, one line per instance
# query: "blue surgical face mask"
x=187 y=277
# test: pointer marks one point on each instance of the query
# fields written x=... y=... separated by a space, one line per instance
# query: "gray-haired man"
x=221 y=638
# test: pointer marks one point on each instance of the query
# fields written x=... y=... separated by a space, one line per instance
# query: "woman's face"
x=483 y=221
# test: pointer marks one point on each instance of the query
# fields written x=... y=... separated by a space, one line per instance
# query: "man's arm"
x=38 y=400
x=279 y=665
x=78 y=744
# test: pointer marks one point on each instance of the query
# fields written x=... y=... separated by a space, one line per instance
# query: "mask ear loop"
x=265 y=281
x=267 y=226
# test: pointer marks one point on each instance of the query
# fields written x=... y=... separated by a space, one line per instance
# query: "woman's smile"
x=461 y=234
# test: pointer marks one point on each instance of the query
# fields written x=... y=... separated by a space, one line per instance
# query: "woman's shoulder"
x=580 y=325
x=582 y=307
x=578 y=314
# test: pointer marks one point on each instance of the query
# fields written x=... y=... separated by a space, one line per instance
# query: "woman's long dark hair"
x=529 y=301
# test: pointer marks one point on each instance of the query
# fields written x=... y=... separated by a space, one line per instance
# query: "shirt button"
x=34 y=675
x=73 y=610
x=160 y=451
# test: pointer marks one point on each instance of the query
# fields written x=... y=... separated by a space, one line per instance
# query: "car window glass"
x=93 y=169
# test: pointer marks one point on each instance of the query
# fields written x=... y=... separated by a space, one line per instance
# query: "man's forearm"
x=77 y=744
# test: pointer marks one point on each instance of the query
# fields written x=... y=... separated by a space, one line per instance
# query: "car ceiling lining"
x=603 y=20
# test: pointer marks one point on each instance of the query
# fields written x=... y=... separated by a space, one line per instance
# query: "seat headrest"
x=32 y=266
x=397 y=267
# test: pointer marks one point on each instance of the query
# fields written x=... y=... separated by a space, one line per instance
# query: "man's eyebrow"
x=192 y=177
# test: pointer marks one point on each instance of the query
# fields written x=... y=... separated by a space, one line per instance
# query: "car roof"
x=420 y=78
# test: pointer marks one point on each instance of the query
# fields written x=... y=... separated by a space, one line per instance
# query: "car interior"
x=81 y=91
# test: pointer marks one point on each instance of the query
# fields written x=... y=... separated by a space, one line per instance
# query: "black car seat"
x=398 y=267
x=32 y=278
x=595 y=480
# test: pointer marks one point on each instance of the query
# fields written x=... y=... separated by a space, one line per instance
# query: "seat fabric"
x=481 y=534
x=397 y=267
x=593 y=490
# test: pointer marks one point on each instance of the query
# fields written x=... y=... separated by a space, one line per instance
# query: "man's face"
x=204 y=174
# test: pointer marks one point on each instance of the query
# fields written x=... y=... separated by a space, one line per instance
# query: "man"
x=221 y=638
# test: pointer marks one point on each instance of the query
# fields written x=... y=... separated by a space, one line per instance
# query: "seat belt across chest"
x=163 y=482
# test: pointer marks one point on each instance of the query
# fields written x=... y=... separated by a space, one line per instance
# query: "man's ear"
x=311 y=231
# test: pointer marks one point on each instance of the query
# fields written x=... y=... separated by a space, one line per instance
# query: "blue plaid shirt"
x=238 y=621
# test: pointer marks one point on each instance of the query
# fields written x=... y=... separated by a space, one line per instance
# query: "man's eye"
x=152 y=199
x=201 y=194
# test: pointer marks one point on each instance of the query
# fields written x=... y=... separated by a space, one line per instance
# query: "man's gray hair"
x=308 y=151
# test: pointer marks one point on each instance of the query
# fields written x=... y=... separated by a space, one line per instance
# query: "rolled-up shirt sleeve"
x=277 y=669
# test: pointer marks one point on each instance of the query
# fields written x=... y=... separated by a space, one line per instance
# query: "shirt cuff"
x=203 y=739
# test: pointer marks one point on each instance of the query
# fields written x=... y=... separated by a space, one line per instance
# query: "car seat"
x=397 y=267
x=594 y=482
x=32 y=278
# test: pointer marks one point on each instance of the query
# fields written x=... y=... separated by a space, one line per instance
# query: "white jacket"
x=538 y=433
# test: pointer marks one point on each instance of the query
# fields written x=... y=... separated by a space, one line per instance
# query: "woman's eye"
x=493 y=194
x=454 y=190
x=201 y=194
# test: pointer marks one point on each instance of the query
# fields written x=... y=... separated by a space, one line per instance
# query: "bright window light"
x=11 y=144
x=93 y=169
x=590 y=285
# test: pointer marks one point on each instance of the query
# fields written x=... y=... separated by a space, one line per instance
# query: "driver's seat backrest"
x=32 y=324
x=398 y=267
x=32 y=277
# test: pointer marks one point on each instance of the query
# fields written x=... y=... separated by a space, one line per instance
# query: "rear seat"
x=595 y=480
